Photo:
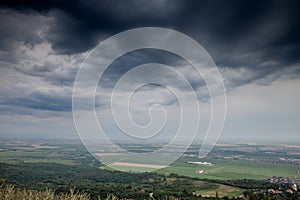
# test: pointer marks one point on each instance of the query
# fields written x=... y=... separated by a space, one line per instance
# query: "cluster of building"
x=288 y=161
x=273 y=191
x=282 y=180
x=292 y=185
x=271 y=160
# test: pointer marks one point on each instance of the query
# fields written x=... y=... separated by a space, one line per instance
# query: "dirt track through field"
x=127 y=164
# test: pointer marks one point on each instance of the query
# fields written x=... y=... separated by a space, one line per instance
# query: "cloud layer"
x=43 y=43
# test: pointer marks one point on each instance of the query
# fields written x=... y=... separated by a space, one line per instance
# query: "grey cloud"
x=132 y=59
x=261 y=30
x=251 y=41
x=46 y=72
x=19 y=27
x=41 y=101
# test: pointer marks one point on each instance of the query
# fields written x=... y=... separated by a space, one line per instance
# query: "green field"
x=128 y=168
x=222 y=169
x=223 y=190
x=34 y=157
x=231 y=169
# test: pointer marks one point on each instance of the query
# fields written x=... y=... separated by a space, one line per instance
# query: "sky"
x=254 y=44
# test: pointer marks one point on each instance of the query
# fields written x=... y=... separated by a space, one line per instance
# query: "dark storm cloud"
x=80 y=25
x=16 y=27
x=235 y=33
x=139 y=57
x=257 y=39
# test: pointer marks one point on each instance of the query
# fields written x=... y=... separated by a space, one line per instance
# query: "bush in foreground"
x=8 y=192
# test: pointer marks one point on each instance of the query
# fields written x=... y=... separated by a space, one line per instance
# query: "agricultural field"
x=222 y=190
x=229 y=161
x=222 y=169
x=60 y=165
x=235 y=161
x=68 y=153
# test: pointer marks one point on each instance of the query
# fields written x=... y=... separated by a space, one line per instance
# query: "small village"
x=286 y=185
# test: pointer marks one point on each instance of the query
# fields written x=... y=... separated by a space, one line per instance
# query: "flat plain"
x=53 y=163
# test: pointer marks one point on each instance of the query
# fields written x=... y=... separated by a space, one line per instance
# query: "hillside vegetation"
x=9 y=192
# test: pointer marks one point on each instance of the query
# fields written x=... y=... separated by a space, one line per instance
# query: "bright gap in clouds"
x=268 y=112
